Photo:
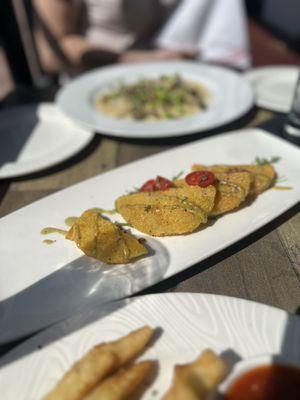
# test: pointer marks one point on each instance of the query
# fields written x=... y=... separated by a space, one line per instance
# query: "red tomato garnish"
x=148 y=186
x=200 y=178
x=160 y=183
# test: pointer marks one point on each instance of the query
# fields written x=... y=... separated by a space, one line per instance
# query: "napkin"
x=215 y=29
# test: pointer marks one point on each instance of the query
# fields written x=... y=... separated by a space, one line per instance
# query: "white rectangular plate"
x=42 y=284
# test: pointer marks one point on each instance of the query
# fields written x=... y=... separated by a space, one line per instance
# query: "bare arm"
x=60 y=44
x=136 y=56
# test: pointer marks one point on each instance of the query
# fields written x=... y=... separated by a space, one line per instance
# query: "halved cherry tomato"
x=200 y=178
x=160 y=183
x=148 y=186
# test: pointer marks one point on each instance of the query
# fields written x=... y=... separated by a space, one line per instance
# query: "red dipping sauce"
x=266 y=382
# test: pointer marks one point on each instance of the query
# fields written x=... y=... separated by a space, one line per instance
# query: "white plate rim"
x=181 y=127
x=256 y=74
x=17 y=169
x=74 y=331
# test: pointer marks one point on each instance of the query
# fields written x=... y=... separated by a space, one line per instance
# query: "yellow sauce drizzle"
x=283 y=187
x=50 y=229
x=126 y=251
x=236 y=191
x=49 y=241
x=69 y=221
x=186 y=205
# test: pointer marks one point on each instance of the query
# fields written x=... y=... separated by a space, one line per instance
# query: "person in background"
x=76 y=35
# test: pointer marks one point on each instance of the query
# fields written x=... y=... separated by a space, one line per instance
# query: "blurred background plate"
x=274 y=86
x=35 y=137
x=231 y=97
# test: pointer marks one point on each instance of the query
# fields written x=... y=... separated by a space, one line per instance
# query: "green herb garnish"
x=264 y=161
x=177 y=176
x=165 y=97
x=134 y=190
x=280 y=179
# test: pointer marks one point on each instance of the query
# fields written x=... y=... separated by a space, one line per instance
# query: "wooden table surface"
x=264 y=266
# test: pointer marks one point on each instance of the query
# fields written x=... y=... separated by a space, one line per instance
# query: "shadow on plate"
x=288 y=354
x=77 y=287
x=17 y=125
x=290 y=348
x=37 y=342
x=81 y=155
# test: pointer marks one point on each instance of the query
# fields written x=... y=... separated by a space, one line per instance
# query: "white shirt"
x=215 y=28
x=106 y=27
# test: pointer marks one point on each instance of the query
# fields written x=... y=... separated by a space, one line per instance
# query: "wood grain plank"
x=100 y=158
x=129 y=152
x=17 y=199
x=289 y=235
x=261 y=272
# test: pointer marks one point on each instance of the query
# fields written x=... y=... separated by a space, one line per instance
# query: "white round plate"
x=231 y=97
x=189 y=323
x=274 y=86
x=33 y=138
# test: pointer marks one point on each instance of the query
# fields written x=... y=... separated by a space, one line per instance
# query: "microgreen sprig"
x=264 y=161
x=177 y=176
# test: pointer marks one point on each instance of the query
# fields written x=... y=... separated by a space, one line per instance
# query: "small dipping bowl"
x=257 y=377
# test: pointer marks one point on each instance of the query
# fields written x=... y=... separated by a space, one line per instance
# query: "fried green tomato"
x=262 y=176
x=168 y=212
x=102 y=239
x=200 y=197
x=231 y=189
